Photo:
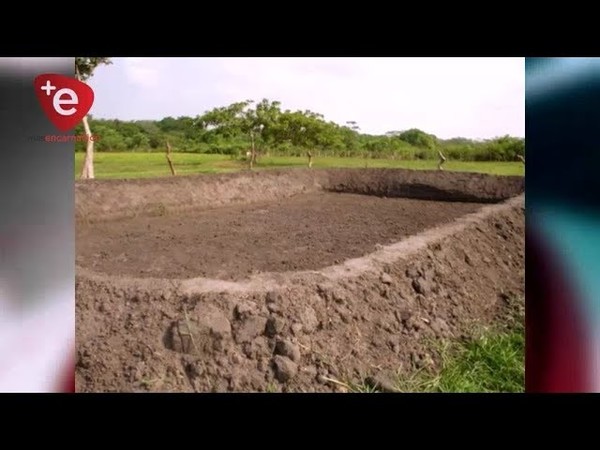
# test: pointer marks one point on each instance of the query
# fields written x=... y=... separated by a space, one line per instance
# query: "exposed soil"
x=99 y=200
x=304 y=232
x=441 y=270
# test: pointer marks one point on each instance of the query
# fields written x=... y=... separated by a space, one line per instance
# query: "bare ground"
x=304 y=232
x=440 y=269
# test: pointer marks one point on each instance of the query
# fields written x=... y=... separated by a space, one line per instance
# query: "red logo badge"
x=65 y=100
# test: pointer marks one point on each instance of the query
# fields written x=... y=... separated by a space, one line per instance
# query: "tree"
x=84 y=69
x=240 y=119
x=418 y=138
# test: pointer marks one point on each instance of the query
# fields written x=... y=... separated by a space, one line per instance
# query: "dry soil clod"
x=285 y=369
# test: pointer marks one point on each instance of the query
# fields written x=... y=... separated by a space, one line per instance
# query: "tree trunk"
x=169 y=159
x=87 y=172
x=442 y=160
x=253 y=155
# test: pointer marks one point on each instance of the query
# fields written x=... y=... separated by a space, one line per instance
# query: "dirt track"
x=145 y=324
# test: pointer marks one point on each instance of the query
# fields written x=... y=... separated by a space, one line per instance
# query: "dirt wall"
x=112 y=199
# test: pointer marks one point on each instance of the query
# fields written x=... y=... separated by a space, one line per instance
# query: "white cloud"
x=144 y=72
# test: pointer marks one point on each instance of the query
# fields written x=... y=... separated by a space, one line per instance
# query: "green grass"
x=492 y=361
x=144 y=165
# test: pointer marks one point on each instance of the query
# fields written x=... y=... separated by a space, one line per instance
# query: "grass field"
x=144 y=165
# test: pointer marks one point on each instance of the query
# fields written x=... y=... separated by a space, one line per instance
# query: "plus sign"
x=48 y=88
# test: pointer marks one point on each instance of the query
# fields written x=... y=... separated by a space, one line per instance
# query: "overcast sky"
x=469 y=97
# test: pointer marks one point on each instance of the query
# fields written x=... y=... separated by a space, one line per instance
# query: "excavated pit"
x=286 y=280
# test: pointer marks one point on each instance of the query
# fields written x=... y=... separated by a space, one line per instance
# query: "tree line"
x=233 y=129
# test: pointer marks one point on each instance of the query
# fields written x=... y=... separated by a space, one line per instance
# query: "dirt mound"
x=426 y=185
x=370 y=317
x=98 y=200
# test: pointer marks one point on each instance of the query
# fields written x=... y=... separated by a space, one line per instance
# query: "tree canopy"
x=229 y=130
x=85 y=66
